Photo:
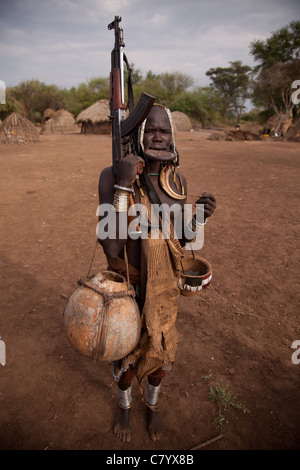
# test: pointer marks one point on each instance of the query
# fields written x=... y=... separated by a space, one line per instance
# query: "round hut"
x=293 y=132
x=58 y=122
x=95 y=118
x=181 y=121
x=277 y=125
x=48 y=113
x=17 y=129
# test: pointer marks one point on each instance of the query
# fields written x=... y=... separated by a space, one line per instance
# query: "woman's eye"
x=162 y=131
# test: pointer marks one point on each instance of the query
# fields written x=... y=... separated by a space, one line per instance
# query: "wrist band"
x=196 y=224
x=190 y=229
x=121 y=201
x=193 y=226
x=124 y=188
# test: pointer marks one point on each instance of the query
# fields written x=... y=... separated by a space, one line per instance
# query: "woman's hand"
x=130 y=166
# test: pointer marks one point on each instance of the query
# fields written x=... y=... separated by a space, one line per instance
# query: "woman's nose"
x=157 y=135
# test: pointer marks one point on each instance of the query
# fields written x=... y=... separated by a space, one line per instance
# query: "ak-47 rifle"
x=124 y=130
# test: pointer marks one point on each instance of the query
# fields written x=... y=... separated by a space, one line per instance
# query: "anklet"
x=125 y=398
x=124 y=407
x=152 y=407
x=152 y=394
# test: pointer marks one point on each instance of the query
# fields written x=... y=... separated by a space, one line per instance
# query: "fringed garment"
x=160 y=294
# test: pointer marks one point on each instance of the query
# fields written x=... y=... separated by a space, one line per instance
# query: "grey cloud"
x=65 y=41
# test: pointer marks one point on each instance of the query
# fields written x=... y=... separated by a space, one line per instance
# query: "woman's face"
x=157 y=133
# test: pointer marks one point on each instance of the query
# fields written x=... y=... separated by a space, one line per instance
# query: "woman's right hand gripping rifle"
x=130 y=166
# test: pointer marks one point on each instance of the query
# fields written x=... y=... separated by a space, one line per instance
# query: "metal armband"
x=194 y=227
x=121 y=201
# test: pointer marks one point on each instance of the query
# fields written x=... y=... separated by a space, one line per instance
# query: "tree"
x=233 y=85
x=175 y=83
x=86 y=93
x=200 y=104
x=34 y=97
x=152 y=85
x=273 y=87
x=279 y=66
x=11 y=106
x=282 y=46
x=165 y=87
x=99 y=87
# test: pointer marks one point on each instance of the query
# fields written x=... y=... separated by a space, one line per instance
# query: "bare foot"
x=122 y=425
x=154 y=424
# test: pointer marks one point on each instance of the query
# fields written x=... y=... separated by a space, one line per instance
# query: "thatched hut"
x=293 y=132
x=58 y=122
x=277 y=125
x=95 y=118
x=48 y=113
x=181 y=122
x=17 y=129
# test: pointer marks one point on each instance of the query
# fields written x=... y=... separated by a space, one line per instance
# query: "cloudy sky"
x=66 y=42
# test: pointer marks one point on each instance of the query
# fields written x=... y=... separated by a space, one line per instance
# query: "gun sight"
x=115 y=23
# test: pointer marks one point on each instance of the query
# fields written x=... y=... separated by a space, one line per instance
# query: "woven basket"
x=194 y=274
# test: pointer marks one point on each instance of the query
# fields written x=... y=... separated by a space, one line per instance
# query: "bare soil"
x=238 y=333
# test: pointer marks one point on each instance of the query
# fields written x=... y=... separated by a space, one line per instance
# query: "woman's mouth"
x=159 y=154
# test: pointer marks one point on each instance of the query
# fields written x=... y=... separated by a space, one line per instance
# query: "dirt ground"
x=238 y=333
